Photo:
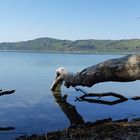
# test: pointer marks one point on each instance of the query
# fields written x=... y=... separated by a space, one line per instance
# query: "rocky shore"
x=106 y=129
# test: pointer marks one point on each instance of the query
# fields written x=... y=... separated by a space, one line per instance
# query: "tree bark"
x=124 y=69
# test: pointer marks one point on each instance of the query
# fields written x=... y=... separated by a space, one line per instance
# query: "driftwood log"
x=124 y=69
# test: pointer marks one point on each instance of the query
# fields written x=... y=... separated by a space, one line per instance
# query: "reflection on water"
x=32 y=108
x=69 y=110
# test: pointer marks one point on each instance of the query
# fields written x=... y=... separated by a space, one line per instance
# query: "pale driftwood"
x=124 y=69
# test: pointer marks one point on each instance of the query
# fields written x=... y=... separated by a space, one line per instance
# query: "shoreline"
x=100 y=130
x=70 y=52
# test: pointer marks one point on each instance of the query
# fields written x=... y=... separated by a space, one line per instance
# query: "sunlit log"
x=124 y=69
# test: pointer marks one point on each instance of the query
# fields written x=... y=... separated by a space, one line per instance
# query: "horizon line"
x=67 y=39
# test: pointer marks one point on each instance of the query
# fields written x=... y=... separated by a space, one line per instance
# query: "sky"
x=69 y=19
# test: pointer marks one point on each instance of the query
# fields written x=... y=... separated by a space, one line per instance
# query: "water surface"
x=32 y=108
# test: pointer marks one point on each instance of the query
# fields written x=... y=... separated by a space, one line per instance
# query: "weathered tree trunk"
x=125 y=69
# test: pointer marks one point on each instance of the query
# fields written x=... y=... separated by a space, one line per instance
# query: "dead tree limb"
x=88 y=97
x=6 y=128
x=124 y=69
x=6 y=92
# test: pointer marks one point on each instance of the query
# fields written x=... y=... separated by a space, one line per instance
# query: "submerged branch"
x=6 y=128
x=6 y=92
x=87 y=97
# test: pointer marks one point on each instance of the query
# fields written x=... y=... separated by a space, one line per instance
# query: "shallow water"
x=32 y=108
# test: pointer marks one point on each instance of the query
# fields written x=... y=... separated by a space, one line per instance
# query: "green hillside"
x=91 y=45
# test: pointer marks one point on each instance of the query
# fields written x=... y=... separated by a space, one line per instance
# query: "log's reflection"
x=6 y=128
x=69 y=110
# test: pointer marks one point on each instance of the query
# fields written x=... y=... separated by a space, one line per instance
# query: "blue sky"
x=69 y=19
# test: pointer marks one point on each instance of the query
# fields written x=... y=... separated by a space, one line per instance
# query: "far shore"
x=71 y=52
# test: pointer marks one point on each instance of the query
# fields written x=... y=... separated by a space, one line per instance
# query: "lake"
x=32 y=108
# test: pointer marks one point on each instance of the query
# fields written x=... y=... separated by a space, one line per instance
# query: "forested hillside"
x=91 y=45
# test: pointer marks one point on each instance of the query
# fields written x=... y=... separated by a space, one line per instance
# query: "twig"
x=78 y=89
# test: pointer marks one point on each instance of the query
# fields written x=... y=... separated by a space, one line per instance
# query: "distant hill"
x=87 y=46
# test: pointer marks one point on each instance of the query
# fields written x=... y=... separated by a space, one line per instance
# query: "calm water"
x=32 y=108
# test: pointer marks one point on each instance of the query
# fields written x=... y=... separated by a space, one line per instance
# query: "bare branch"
x=6 y=92
x=88 y=97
